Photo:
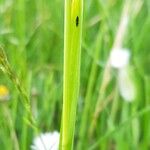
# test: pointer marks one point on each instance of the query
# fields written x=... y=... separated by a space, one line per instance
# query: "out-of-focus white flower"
x=126 y=85
x=46 y=141
x=119 y=58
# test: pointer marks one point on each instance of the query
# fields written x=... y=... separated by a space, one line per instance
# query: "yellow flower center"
x=3 y=91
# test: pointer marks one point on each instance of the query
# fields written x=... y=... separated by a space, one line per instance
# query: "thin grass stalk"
x=20 y=30
x=72 y=55
x=146 y=134
x=122 y=125
x=107 y=70
x=7 y=70
x=13 y=135
x=91 y=83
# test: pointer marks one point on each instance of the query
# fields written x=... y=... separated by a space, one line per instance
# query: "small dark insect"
x=77 y=21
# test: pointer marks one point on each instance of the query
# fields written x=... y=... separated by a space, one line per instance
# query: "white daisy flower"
x=46 y=141
x=119 y=58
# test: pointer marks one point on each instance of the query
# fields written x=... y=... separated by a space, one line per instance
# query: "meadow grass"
x=42 y=76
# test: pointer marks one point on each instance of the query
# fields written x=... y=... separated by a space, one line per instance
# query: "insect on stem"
x=77 y=21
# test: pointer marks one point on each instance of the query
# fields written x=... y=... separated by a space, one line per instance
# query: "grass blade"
x=72 y=54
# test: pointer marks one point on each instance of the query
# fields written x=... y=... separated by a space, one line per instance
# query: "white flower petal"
x=126 y=85
x=119 y=58
x=46 y=141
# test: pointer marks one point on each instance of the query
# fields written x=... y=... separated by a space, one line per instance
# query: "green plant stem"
x=146 y=117
x=94 y=67
x=7 y=70
x=72 y=54
x=13 y=135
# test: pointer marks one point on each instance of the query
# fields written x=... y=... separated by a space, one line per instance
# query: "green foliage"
x=31 y=63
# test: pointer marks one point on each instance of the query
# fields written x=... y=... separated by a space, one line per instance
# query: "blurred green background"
x=31 y=33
